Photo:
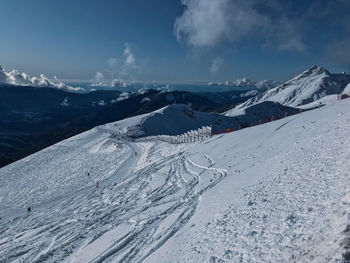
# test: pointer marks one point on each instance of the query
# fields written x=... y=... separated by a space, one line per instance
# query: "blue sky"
x=174 y=40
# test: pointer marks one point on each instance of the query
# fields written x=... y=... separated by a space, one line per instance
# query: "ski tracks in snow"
x=132 y=214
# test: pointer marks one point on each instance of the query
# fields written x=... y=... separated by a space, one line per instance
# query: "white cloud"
x=14 y=77
x=120 y=71
x=129 y=56
x=209 y=23
x=119 y=83
x=215 y=65
x=166 y=88
x=99 y=76
x=99 y=80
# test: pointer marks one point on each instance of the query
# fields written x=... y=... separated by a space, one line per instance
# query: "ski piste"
x=276 y=192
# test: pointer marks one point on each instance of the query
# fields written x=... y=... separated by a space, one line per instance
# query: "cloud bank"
x=208 y=23
x=14 y=77
x=100 y=80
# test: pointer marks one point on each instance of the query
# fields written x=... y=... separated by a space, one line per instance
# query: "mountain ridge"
x=311 y=85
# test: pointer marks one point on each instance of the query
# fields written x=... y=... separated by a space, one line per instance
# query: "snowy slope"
x=179 y=118
x=309 y=86
x=263 y=111
x=329 y=99
x=285 y=197
x=347 y=90
x=276 y=192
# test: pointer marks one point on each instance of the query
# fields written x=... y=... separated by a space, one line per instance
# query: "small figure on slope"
x=29 y=210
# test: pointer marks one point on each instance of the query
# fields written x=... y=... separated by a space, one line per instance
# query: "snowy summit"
x=307 y=87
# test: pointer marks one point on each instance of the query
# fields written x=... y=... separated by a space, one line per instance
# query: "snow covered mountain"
x=347 y=90
x=277 y=192
x=177 y=119
x=307 y=87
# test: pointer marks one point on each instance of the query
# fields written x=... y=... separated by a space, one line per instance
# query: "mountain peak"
x=309 y=86
x=314 y=70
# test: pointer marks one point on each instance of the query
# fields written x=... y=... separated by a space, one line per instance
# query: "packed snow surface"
x=277 y=192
